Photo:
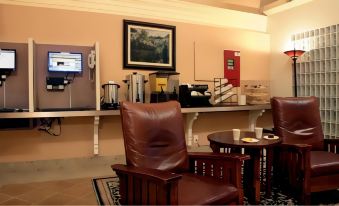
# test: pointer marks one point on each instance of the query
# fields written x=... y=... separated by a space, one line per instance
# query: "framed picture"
x=149 y=46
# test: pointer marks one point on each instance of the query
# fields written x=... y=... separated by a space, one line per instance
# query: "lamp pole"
x=295 y=73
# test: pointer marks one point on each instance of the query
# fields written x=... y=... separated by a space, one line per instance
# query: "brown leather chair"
x=159 y=169
x=306 y=160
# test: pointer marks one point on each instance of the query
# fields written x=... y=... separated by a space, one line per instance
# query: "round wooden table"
x=224 y=141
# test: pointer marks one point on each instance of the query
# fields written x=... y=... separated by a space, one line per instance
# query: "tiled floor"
x=62 y=192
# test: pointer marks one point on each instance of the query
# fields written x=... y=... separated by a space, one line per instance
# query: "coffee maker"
x=164 y=86
x=136 y=87
x=195 y=95
x=110 y=99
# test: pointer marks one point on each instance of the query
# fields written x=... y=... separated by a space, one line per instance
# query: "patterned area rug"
x=107 y=192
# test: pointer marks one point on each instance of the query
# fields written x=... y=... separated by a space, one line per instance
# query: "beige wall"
x=52 y=26
x=313 y=15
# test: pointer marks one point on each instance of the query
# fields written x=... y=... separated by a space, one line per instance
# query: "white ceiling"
x=261 y=7
x=222 y=3
x=252 y=6
x=173 y=10
x=241 y=14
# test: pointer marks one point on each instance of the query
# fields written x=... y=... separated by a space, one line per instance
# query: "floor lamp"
x=295 y=54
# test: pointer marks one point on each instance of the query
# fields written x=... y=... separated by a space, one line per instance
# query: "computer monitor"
x=64 y=62
x=7 y=59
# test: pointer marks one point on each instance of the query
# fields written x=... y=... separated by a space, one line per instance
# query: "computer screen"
x=64 y=62
x=7 y=59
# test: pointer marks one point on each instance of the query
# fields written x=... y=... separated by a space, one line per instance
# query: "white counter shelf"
x=191 y=115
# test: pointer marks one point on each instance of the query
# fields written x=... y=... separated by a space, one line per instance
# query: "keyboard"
x=65 y=109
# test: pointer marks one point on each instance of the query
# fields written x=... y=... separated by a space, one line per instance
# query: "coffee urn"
x=136 y=87
x=110 y=99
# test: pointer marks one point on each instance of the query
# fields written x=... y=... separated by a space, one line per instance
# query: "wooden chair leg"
x=307 y=199
x=306 y=180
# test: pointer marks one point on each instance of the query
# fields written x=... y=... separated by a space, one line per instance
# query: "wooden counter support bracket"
x=190 y=118
x=252 y=118
x=96 y=135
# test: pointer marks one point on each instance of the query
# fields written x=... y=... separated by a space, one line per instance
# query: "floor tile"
x=62 y=192
x=88 y=200
x=80 y=180
x=4 y=197
x=57 y=199
x=56 y=186
x=16 y=189
x=79 y=190
x=15 y=201
x=36 y=195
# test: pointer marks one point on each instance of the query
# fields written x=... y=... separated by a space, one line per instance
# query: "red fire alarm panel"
x=232 y=67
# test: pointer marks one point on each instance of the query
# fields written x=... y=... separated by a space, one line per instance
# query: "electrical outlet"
x=195 y=139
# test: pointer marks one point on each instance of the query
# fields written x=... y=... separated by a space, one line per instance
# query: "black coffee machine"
x=195 y=95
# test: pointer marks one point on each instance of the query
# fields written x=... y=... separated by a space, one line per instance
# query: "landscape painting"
x=149 y=46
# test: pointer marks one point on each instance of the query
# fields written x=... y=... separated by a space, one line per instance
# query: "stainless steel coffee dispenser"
x=110 y=99
x=136 y=87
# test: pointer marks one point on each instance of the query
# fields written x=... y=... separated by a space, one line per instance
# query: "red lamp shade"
x=294 y=54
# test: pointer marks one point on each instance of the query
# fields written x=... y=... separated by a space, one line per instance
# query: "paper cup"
x=242 y=100
x=258 y=132
x=236 y=134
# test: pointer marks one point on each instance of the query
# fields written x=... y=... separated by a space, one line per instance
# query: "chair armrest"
x=151 y=174
x=157 y=187
x=331 y=141
x=300 y=148
x=217 y=156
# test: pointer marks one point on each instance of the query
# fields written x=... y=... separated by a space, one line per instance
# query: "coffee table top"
x=226 y=139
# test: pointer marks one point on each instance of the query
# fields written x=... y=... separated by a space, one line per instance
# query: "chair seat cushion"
x=324 y=163
x=201 y=190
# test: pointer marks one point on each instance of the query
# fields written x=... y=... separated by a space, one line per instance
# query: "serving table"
x=223 y=142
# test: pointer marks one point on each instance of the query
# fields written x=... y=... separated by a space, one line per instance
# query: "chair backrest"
x=154 y=136
x=297 y=120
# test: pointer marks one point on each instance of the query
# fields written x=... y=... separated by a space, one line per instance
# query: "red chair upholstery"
x=159 y=169
x=306 y=160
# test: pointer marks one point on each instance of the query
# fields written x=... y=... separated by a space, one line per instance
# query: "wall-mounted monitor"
x=7 y=59
x=64 y=62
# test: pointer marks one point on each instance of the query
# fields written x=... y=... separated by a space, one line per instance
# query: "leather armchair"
x=159 y=169
x=306 y=161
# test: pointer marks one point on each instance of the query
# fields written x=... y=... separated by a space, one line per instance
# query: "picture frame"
x=148 y=46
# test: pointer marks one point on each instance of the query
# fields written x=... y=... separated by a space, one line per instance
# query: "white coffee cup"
x=241 y=99
x=236 y=134
x=258 y=132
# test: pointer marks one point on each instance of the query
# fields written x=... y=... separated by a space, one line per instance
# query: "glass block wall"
x=318 y=73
